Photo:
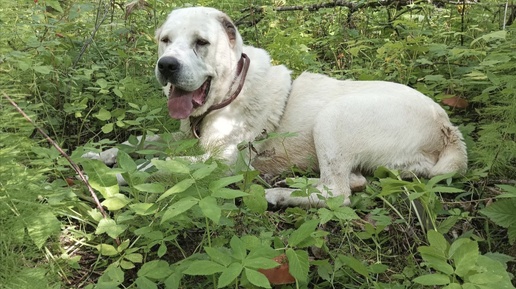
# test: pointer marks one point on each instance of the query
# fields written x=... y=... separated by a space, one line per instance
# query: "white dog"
x=227 y=93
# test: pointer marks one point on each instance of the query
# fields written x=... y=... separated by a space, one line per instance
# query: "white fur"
x=343 y=128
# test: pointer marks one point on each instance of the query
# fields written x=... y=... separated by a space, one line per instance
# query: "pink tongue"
x=180 y=107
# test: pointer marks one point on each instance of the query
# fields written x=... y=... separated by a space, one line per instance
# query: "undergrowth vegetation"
x=83 y=72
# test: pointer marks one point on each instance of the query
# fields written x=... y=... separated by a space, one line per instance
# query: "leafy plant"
x=460 y=265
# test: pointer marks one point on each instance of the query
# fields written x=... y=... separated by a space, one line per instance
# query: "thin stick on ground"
x=60 y=150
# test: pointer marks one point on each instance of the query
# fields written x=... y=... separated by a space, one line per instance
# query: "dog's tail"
x=453 y=158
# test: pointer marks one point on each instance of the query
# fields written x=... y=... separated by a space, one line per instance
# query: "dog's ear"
x=230 y=29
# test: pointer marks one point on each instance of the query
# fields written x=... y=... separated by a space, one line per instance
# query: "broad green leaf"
x=173 y=281
x=465 y=254
x=126 y=265
x=511 y=233
x=43 y=69
x=298 y=264
x=150 y=188
x=177 y=188
x=171 y=166
x=216 y=255
x=502 y=212
x=179 y=207
x=107 y=250
x=256 y=201
x=433 y=181
x=229 y=274
x=113 y=274
x=100 y=177
x=485 y=278
x=260 y=263
x=110 y=227
x=438 y=242
x=134 y=257
x=126 y=162
x=238 y=248
x=453 y=286
x=107 y=128
x=228 y=194
x=145 y=283
x=116 y=202
x=378 y=268
x=325 y=215
x=303 y=232
x=204 y=171
x=433 y=279
x=256 y=278
x=210 y=208
x=41 y=225
x=204 y=268
x=354 y=264
x=103 y=114
x=223 y=182
x=156 y=269
x=144 y=209
x=346 y=214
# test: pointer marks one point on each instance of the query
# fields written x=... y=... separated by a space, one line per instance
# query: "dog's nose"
x=168 y=66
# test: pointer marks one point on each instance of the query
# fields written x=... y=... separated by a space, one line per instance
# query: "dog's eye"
x=201 y=42
x=165 y=40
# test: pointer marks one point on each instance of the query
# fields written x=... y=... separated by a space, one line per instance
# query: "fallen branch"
x=60 y=150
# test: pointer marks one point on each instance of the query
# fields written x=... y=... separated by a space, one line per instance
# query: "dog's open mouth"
x=181 y=103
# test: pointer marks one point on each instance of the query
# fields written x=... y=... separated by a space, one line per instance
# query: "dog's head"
x=199 y=49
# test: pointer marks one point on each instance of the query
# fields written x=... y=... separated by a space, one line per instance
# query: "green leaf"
x=298 y=264
x=107 y=250
x=303 y=232
x=126 y=162
x=150 y=188
x=134 y=257
x=229 y=275
x=112 y=275
x=41 y=225
x=346 y=214
x=204 y=171
x=110 y=227
x=453 y=286
x=325 y=215
x=173 y=281
x=228 y=194
x=256 y=278
x=171 y=166
x=103 y=114
x=177 y=188
x=116 y=202
x=433 y=279
x=238 y=248
x=145 y=283
x=438 y=242
x=107 y=128
x=204 y=268
x=223 y=182
x=216 y=255
x=465 y=254
x=156 y=269
x=260 y=263
x=179 y=207
x=144 y=209
x=210 y=209
x=354 y=264
x=502 y=212
x=43 y=69
x=256 y=201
